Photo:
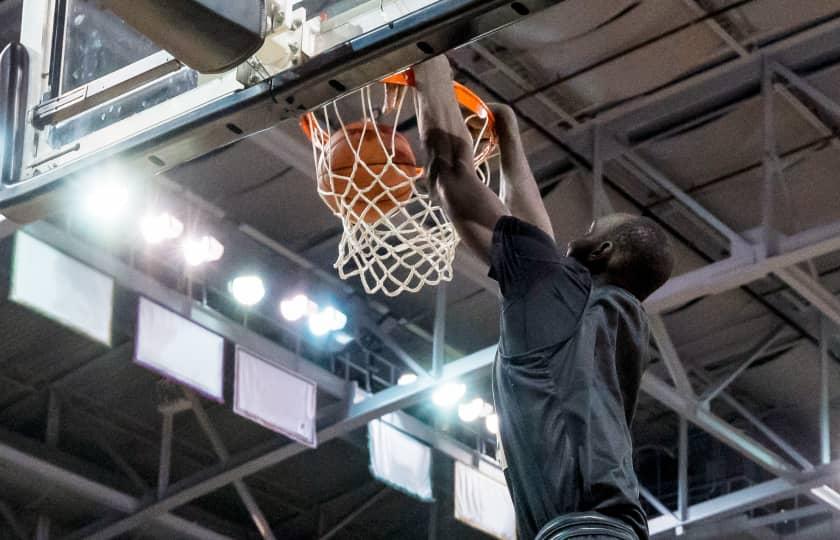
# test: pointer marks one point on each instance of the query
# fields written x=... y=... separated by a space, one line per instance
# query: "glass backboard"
x=111 y=94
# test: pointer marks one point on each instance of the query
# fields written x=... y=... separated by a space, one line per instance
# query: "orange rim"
x=466 y=98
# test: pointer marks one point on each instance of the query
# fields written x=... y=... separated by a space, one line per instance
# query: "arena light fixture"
x=247 y=290
x=299 y=306
x=327 y=320
x=471 y=411
x=200 y=250
x=106 y=200
x=406 y=379
x=492 y=424
x=342 y=338
x=157 y=228
x=448 y=394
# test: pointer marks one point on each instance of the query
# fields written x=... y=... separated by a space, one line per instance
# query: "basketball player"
x=574 y=337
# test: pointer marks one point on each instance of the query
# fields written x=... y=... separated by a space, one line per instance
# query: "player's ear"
x=602 y=251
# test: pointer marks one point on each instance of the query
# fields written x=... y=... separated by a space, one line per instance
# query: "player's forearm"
x=472 y=206
x=519 y=189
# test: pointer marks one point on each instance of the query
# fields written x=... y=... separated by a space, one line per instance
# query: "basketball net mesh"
x=396 y=237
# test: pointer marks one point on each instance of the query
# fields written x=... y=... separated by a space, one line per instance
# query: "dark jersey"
x=565 y=382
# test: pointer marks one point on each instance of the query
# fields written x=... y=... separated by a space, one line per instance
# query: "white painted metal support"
x=716 y=427
x=752 y=356
x=165 y=453
x=718 y=29
x=682 y=474
x=221 y=451
x=811 y=290
x=17 y=457
x=737 y=243
x=44 y=523
x=9 y=516
x=439 y=335
x=354 y=514
x=825 y=394
x=669 y=356
x=740 y=270
x=765 y=430
x=772 y=166
x=656 y=503
x=808 y=89
x=601 y=204
x=757 y=495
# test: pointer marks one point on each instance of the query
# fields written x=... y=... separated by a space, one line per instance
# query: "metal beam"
x=669 y=355
x=354 y=514
x=49 y=473
x=753 y=496
x=811 y=290
x=825 y=394
x=8 y=515
x=745 y=268
x=237 y=467
x=682 y=474
x=717 y=428
x=758 y=352
x=643 y=119
x=221 y=451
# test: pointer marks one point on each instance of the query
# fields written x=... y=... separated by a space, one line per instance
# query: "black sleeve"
x=544 y=292
x=520 y=254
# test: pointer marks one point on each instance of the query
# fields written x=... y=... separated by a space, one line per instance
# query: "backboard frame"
x=229 y=115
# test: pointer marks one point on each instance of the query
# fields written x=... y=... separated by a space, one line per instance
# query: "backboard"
x=99 y=91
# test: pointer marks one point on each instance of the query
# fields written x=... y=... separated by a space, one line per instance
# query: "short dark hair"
x=645 y=257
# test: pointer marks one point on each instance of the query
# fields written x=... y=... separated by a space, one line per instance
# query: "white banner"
x=484 y=503
x=180 y=349
x=62 y=288
x=399 y=460
x=275 y=398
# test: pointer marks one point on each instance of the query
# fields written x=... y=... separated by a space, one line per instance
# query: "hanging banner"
x=61 y=288
x=276 y=398
x=483 y=502
x=399 y=460
x=179 y=349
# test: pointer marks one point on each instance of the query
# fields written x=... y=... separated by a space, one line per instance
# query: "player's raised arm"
x=519 y=190
x=473 y=208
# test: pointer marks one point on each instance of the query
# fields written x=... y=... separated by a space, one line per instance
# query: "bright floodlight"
x=327 y=320
x=106 y=200
x=492 y=423
x=471 y=411
x=201 y=250
x=297 y=307
x=406 y=379
x=448 y=394
x=248 y=290
x=343 y=338
x=157 y=228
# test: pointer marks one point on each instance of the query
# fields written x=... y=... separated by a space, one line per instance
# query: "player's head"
x=629 y=251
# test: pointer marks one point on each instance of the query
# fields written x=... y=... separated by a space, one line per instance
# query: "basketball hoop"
x=396 y=238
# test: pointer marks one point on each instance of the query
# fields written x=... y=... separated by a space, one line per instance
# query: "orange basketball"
x=386 y=193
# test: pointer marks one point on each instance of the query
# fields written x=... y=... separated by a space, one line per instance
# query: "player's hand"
x=433 y=72
x=504 y=115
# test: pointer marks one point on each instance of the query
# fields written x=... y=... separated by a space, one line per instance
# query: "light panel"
x=62 y=288
x=275 y=398
x=180 y=349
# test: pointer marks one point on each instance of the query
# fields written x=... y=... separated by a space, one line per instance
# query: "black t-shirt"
x=565 y=382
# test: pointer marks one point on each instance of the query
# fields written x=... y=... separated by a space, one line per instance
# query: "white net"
x=396 y=237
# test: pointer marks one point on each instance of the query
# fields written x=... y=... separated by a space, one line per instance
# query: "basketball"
x=375 y=183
